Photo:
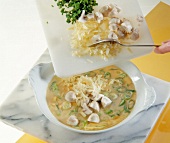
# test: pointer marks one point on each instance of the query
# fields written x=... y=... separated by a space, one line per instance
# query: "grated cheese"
x=85 y=86
x=84 y=34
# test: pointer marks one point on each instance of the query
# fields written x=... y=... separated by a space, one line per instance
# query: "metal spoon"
x=115 y=41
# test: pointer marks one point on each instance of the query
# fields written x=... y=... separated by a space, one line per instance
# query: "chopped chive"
x=123 y=75
x=54 y=86
x=131 y=90
x=73 y=9
x=113 y=69
x=85 y=123
x=74 y=111
x=102 y=71
x=109 y=111
x=107 y=75
x=126 y=109
x=121 y=89
x=122 y=102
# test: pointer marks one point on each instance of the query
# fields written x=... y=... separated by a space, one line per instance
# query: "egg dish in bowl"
x=93 y=102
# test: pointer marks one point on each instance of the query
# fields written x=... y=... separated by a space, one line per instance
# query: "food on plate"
x=106 y=23
x=95 y=100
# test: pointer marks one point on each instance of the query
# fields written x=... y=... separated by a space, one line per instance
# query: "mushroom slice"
x=94 y=105
x=72 y=120
x=86 y=109
x=115 y=10
x=105 y=10
x=114 y=20
x=113 y=27
x=112 y=35
x=116 y=7
x=105 y=101
x=120 y=34
x=127 y=27
x=140 y=18
x=83 y=17
x=99 y=16
x=94 y=118
x=135 y=34
x=70 y=96
x=90 y=15
x=98 y=97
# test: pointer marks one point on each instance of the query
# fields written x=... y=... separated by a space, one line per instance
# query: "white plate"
x=58 y=38
x=41 y=75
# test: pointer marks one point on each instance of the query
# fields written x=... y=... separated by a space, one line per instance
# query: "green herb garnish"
x=122 y=102
x=126 y=109
x=113 y=69
x=53 y=86
x=107 y=75
x=109 y=111
x=73 y=8
x=74 y=111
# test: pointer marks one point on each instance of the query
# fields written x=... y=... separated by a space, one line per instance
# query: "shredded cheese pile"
x=85 y=86
x=82 y=37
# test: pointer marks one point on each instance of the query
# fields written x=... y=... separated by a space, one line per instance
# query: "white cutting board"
x=58 y=38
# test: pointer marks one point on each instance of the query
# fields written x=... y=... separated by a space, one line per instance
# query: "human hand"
x=164 y=48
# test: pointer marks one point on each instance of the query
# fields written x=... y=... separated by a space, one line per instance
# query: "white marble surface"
x=21 y=111
x=21 y=43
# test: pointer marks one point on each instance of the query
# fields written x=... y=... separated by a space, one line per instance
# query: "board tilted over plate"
x=58 y=38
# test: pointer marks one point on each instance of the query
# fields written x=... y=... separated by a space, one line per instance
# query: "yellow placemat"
x=156 y=65
x=158 y=21
x=26 y=138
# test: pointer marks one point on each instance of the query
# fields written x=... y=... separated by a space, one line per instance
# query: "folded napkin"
x=157 y=65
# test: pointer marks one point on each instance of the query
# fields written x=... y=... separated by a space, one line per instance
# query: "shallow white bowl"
x=40 y=76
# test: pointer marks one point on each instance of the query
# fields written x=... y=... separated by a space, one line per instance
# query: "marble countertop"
x=21 y=111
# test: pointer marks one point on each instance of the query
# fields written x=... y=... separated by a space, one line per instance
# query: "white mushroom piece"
x=115 y=10
x=83 y=17
x=99 y=16
x=135 y=34
x=113 y=23
x=98 y=97
x=105 y=10
x=70 y=96
x=105 y=101
x=112 y=35
x=140 y=18
x=86 y=109
x=93 y=118
x=114 y=20
x=113 y=27
x=116 y=7
x=126 y=26
x=120 y=34
x=72 y=120
x=94 y=105
x=90 y=15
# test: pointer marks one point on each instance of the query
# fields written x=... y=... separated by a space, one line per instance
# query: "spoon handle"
x=140 y=45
